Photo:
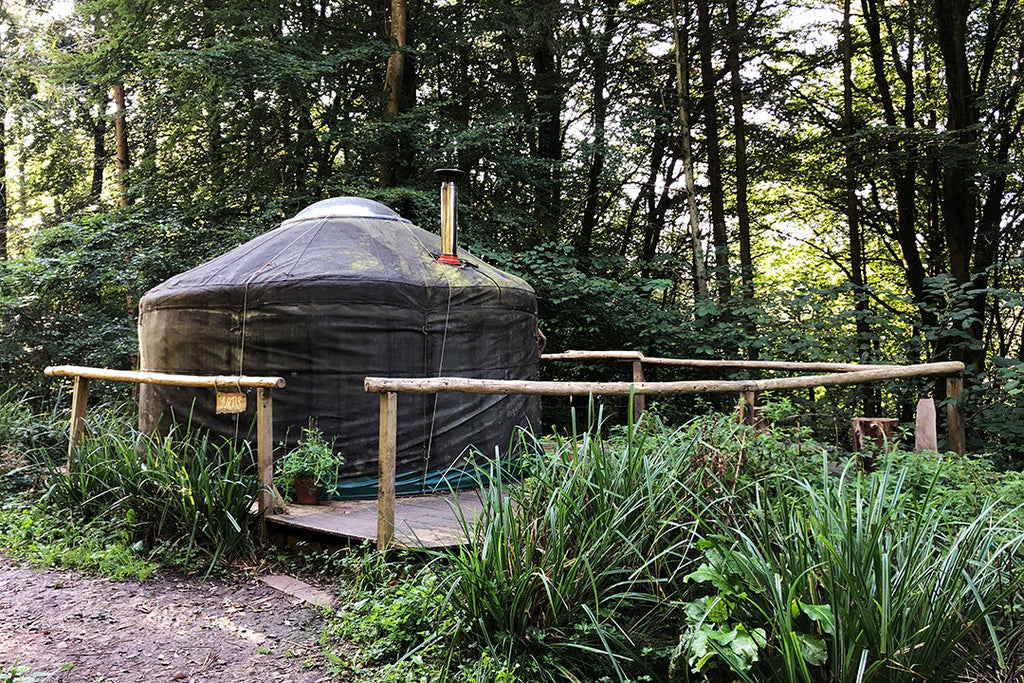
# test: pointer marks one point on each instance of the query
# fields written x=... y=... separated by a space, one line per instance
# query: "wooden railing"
x=637 y=360
x=389 y=388
x=839 y=374
x=264 y=409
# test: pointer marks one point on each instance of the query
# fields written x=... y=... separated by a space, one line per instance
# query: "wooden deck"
x=420 y=521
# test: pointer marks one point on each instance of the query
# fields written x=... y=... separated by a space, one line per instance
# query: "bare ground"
x=169 y=629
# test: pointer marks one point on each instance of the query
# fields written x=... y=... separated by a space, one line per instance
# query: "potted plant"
x=310 y=465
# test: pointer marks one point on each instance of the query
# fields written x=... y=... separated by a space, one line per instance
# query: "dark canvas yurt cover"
x=345 y=290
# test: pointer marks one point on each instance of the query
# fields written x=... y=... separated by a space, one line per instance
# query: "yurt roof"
x=338 y=249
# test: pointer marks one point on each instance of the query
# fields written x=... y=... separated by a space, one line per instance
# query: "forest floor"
x=172 y=628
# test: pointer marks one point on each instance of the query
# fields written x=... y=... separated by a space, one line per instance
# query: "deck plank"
x=430 y=521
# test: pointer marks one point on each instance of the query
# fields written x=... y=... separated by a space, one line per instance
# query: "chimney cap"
x=450 y=175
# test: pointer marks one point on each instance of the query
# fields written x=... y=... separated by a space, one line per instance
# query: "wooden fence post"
x=747 y=414
x=639 y=400
x=265 y=454
x=79 y=402
x=954 y=418
x=387 y=449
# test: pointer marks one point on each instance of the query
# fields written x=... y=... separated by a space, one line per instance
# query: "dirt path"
x=169 y=629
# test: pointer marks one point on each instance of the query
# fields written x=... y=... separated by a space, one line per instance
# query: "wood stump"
x=925 y=432
x=871 y=435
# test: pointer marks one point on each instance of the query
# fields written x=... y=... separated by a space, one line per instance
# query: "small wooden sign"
x=231 y=402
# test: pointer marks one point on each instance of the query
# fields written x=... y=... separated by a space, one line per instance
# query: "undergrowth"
x=127 y=502
x=848 y=579
x=23 y=674
x=38 y=535
x=711 y=552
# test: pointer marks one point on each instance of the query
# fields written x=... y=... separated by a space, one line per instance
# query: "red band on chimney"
x=449 y=260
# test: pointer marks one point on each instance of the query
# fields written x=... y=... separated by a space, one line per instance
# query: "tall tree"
x=121 y=142
x=3 y=184
x=393 y=86
x=973 y=240
x=6 y=83
x=852 y=158
x=712 y=151
x=901 y=157
x=99 y=149
x=739 y=129
x=601 y=43
x=549 y=100
x=682 y=66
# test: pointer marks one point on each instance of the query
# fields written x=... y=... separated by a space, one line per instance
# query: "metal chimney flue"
x=449 y=215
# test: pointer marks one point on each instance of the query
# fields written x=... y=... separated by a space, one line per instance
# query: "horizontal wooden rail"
x=143 y=377
x=633 y=356
x=464 y=385
x=264 y=411
x=594 y=355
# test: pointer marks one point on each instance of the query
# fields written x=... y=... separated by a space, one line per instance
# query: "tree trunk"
x=599 y=108
x=742 y=208
x=652 y=227
x=215 y=144
x=393 y=87
x=852 y=160
x=549 y=101
x=22 y=177
x=121 y=141
x=716 y=190
x=902 y=164
x=959 y=210
x=700 y=278
x=958 y=205
x=99 y=150
x=3 y=188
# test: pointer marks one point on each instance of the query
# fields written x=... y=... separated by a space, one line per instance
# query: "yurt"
x=344 y=290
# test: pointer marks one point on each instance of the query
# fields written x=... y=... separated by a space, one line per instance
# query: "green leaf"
x=705 y=573
x=746 y=644
x=822 y=614
x=812 y=649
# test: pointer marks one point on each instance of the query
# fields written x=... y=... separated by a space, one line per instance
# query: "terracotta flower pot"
x=306 y=490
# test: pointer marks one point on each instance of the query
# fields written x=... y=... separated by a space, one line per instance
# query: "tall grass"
x=181 y=494
x=569 y=567
x=852 y=580
x=25 y=436
x=705 y=554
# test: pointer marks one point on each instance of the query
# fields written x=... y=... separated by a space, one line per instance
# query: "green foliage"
x=182 y=495
x=718 y=633
x=389 y=617
x=854 y=580
x=59 y=538
x=75 y=298
x=964 y=484
x=312 y=456
x=604 y=299
x=385 y=622
x=701 y=553
x=25 y=437
x=22 y=674
x=995 y=410
x=567 y=575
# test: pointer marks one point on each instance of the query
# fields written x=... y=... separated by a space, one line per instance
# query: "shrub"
x=181 y=494
x=706 y=553
x=568 y=572
x=25 y=437
x=849 y=580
